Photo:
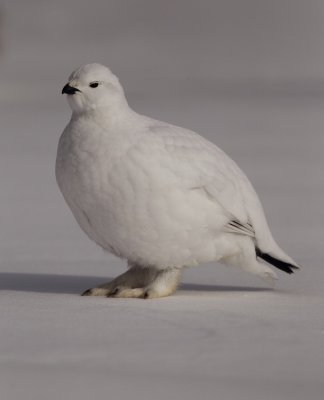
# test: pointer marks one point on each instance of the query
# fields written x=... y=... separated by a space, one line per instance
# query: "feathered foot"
x=140 y=282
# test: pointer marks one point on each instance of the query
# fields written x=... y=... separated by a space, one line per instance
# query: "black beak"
x=70 y=89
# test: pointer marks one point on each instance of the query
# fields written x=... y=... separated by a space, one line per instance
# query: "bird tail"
x=276 y=262
x=265 y=245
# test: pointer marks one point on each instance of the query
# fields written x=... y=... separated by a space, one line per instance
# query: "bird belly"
x=141 y=216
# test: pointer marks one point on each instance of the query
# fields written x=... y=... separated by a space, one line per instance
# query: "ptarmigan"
x=160 y=196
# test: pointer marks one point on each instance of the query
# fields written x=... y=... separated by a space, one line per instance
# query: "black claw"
x=87 y=293
x=113 y=293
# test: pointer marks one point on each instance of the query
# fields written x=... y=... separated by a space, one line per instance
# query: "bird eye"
x=94 y=84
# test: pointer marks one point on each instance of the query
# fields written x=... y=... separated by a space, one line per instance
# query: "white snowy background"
x=249 y=75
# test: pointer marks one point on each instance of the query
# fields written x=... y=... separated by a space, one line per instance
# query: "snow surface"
x=224 y=335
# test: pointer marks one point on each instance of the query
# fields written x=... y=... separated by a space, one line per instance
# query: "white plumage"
x=158 y=195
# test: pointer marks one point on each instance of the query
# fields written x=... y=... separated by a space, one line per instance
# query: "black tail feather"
x=284 y=266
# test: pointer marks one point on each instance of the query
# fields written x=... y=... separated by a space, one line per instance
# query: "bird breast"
x=128 y=201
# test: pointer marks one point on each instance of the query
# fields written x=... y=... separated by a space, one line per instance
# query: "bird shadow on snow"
x=50 y=283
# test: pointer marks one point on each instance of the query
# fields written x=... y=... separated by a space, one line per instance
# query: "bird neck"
x=112 y=115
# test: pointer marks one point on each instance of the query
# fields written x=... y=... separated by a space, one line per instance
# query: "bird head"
x=93 y=86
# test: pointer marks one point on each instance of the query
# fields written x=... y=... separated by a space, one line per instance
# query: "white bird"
x=160 y=196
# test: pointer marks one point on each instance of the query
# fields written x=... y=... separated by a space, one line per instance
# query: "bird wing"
x=202 y=165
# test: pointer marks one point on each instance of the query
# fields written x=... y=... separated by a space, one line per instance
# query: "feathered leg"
x=140 y=282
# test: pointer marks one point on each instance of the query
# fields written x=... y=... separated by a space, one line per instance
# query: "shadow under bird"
x=158 y=195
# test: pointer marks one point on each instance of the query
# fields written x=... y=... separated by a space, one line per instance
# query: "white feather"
x=153 y=193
